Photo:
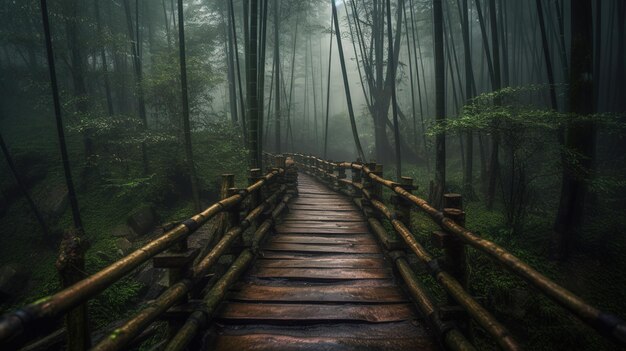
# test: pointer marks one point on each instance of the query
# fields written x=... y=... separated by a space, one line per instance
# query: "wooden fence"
x=182 y=304
x=366 y=185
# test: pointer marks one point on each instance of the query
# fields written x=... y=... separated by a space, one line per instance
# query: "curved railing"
x=367 y=181
x=266 y=197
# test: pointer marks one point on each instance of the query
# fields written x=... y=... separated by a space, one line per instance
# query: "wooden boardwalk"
x=320 y=283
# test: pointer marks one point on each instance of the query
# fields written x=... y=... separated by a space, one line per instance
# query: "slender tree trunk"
x=289 y=135
x=185 y=96
x=483 y=32
x=261 y=81
x=394 y=100
x=546 y=56
x=494 y=163
x=580 y=139
x=241 y=91
x=470 y=90
x=252 y=91
x=411 y=76
x=139 y=80
x=419 y=85
x=230 y=63
x=346 y=84
x=330 y=65
x=71 y=264
x=103 y=58
x=78 y=74
x=440 y=111
x=277 y=73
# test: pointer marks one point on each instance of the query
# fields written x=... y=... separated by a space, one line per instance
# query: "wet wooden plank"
x=314 y=313
x=321 y=273
x=322 y=224
x=286 y=255
x=298 y=230
x=329 y=213
x=338 y=208
x=324 y=293
x=322 y=263
x=328 y=240
x=271 y=342
x=322 y=248
x=297 y=217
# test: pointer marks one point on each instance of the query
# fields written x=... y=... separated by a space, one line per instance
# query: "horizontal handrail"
x=606 y=324
x=47 y=309
x=124 y=334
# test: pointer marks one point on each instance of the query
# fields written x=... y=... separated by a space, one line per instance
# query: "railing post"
x=377 y=188
x=402 y=206
x=255 y=198
x=329 y=170
x=71 y=264
x=454 y=248
x=341 y=174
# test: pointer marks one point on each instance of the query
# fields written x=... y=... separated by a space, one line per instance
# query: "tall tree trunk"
x=394 y=100
x=78 y=74
x=261 y=82
x=139 y=80
x=103 y=58
x=546 y=56
x=252 y=98
x=186 y=123
x=440 y=107
x=411 y=76
x=470 y=90
x=277 y=73
x=330 y=60
x=494 y=164
x=355 y=134
x=289 y=135
x=242 y=104
x=71 y=259
x=580 y=139
x=230 y=63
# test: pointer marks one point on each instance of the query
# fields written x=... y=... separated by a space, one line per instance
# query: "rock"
x=123 y=231
x=13 y=280
x=103 y=256
x=124 y=246
x=55 y=201
x=143 y=220
x=149 y=278
x=4 y=206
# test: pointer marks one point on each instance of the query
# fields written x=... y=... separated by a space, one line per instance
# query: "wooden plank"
x=324 y=293
x=329 y=213
x=272 y=342
x=339 y=208
x=282 y=255
x=320 y=273
x=323 y=248
x=296 y=230
x=296 y=217
x=328 y=240
x=322 y=224
x=322 y=263
x=314 y=313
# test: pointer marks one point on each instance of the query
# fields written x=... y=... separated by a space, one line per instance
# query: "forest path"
x=321 y=282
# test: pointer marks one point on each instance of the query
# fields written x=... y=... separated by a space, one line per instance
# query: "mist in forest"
x=118 y=119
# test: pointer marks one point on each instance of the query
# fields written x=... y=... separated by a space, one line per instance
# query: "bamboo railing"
x=265 y=198
x=367 y=182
